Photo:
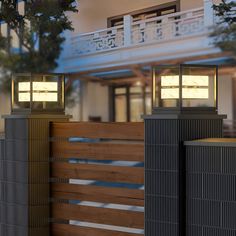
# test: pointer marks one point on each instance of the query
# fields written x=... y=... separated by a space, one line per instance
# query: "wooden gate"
x=97 y=179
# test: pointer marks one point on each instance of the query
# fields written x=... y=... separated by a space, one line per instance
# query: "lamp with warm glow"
x=38 y=93
x=185 y=88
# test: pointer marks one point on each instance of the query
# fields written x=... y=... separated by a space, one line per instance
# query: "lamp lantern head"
x=184 y=89
x=38 y=93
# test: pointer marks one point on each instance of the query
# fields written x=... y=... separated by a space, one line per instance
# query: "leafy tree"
x=225 y=31
x=40 y=32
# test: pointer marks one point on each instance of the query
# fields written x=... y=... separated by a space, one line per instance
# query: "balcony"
x=178 y=35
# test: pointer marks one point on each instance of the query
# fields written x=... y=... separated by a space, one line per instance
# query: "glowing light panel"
x=42 y=92
x=195 y=80
x=169 y=80
x=192 y=93
x=193 y=87
x=170 y=93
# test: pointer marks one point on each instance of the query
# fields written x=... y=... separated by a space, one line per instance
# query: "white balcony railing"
x=168 y=27
x=154 y=30
x=98 y=41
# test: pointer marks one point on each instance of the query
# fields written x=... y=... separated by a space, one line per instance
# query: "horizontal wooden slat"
x=124 y=196
x=126 y=131
x=99 y=151
x=98 y=215
x=98 y=172
x=71 y=230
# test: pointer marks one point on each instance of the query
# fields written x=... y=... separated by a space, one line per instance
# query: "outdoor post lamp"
x=185 y=88
x=38 y=93
x=184 y=102
x=37 y=102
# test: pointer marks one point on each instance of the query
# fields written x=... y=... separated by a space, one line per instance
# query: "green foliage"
x=225 y=31
x=40 y=30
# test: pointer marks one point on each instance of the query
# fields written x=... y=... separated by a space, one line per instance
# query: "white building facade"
x=116 y=43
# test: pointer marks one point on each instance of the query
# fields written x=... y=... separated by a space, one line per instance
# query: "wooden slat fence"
x=97 y=179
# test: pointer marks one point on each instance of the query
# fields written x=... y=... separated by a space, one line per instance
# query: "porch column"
x=208 y=13
x=128 y=30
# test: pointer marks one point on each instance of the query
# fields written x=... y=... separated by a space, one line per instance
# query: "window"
x=147 y=13
x=120 y=104
x=130 y=102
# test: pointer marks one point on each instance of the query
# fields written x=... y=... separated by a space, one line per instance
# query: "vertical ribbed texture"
x=2 y=184
x=25 y=209
x=164 y=163
x=211 y=190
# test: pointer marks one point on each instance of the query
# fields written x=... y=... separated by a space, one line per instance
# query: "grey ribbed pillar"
x=2 y=184
x=25 y=200
x=165 y=209
x=211 y=187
